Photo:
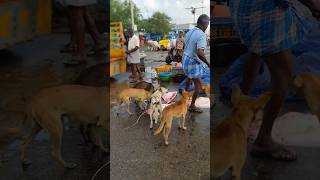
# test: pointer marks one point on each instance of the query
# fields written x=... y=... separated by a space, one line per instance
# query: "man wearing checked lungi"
x=269 y=28
x=194 y=59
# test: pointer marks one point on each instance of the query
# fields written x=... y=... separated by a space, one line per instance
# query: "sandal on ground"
x=75 y=60
x=281 y=154
x=195 y=109
x=97 y=51
x=69 y=48
x=72 y=62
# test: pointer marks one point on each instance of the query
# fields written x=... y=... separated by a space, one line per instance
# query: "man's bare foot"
x=271 y=150
x=195 y=109
x=69 y=48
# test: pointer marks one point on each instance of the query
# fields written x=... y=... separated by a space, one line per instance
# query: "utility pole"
x=193 y=11
x=132 y=18
x=202 y=6
x=194 y=18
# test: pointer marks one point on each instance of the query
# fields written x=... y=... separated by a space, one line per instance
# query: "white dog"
x=156 y=105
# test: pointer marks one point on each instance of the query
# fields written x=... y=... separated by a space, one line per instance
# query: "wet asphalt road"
x=41 y=65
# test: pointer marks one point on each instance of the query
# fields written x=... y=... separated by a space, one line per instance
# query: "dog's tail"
x=162 y=123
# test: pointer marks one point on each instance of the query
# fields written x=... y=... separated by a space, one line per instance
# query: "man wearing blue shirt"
x=194 y=59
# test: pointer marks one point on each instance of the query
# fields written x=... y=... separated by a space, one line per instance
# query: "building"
x=182 y=27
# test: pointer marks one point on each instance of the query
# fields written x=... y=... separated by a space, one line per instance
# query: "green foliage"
x=121 y=11
x=158 y=23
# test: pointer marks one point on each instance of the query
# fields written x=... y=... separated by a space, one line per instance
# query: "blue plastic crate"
x=177 y=70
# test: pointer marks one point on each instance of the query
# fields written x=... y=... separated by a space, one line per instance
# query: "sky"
x=174 y=9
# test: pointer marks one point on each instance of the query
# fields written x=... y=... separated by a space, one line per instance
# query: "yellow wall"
x=5 y=18
x=44 y=17
x=23 y=20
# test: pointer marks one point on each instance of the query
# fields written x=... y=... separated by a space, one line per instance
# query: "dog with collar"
x=156 y=105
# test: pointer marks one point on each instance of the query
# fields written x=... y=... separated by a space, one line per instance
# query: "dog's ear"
x=298 y=81
x=236 y=93
x=184 y=92
x=263 y=100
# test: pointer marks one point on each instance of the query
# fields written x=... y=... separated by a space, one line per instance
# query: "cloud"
x=179 y=4
x=175 y=9
x=151 y=4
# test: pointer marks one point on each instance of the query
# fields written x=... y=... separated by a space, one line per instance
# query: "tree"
x=158 y=23
x=121 y=11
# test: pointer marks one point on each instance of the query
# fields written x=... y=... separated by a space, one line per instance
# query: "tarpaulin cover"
x=205 y=80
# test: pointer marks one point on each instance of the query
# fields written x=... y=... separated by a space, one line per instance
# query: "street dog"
x=229 y=138
x=93 y=76
x=83 y=103
x=156 y=105
x=144 y=85
x=178 y=109
x=308 y=85
x=128 y=94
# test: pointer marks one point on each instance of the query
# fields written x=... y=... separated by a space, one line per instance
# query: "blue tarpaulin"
x=205 y=79
x=307 y=59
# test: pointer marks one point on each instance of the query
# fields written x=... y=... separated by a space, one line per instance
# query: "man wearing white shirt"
x=133 y=54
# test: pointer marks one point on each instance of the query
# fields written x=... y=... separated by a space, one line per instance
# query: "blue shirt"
x=194 y=39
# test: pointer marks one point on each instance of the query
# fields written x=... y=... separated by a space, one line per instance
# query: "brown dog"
x=308 y=85
x=126 y=95
x=176 y=110
x=229 y=139
x=83 y=103
x=144 y=85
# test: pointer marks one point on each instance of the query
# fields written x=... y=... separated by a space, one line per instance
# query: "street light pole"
x=132 y=18
x=202 y=6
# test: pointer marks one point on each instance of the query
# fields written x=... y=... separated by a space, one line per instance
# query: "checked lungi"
x=267 y=26
x=192 y=68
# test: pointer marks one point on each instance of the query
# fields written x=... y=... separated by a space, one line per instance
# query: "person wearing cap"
x=194 y=59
